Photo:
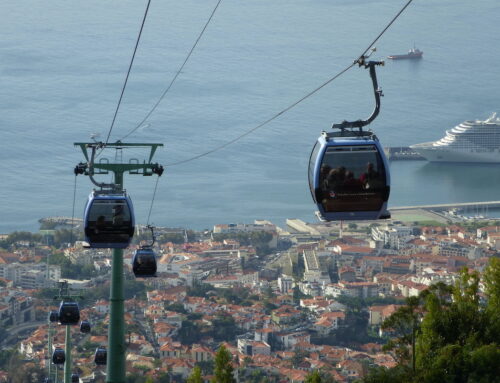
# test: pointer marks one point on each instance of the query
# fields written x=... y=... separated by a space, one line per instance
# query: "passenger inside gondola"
x=144 y=263
x=100 y=223
x=370 y=178
x=109 y=222
x=355 y=181
x=118 y=217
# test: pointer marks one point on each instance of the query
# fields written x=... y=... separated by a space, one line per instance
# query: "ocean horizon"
x=63 y=67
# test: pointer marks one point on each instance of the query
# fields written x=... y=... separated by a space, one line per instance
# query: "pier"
x=454 y=212
x=62 y=221
x=450 y=206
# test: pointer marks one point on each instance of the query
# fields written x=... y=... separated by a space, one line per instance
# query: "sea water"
x=63 y=64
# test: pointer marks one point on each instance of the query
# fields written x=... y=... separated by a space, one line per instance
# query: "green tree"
x=451 y=319
x=177 y=307
x=404 y=324
x=64 y=236
x=234 y=295
x=492 y=289
x=5 y=356
x=71 y=270
x=199 y=290
x=298 y=357
x=207 y=366
x=195 y=376
x=132 y=287
x=135 y=378
x=22 y=372
x=163 y=378
x=258 y=239
x=456 y=339
x=313 y=377
x=298 y=295
x=484 y=364
x=224 y=327
x=398 y=374
x=189 y=332
x=18 y=236
x=170 y=237
x=223 y=370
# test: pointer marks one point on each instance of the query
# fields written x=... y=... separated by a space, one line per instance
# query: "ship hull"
x=405 y=57
x=433 y=154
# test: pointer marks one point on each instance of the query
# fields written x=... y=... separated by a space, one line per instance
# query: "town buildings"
x=278 y=313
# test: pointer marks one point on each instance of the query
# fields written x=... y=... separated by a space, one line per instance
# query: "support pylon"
x=115 y=369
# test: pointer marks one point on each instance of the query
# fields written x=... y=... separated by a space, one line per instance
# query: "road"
x=14 y=331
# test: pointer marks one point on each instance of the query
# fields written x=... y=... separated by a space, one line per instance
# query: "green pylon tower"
x=115 y=366
x=65 y=296
x=50 y=334
x=68 y=362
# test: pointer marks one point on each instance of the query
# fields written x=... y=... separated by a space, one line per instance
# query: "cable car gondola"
x=348 y=172
x=144 y=263
x=53 y=316
x=84 y=327
x=58 y=356
x=100 y=356
x=109 y=220
x=75 y=378
x=69 y=313
x=144 y=260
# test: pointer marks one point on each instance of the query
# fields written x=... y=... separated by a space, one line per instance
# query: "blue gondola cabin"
x=349 y=177
x=109 y=220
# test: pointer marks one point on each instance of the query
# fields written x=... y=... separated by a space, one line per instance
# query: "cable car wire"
x=128 y=72
x=73 y=213
x=176 y=75
x=265 y=122
x=357 y=61
x=152 y=200
x=386 y=28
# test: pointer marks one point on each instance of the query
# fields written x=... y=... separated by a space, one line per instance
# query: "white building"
x=253 y=347
x=393 y=237
x=31 y=275
x=285 y=283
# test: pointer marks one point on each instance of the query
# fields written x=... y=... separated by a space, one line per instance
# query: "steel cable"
x=128 y=72
x=73 y=213
x=176 y=75
x=296 y=102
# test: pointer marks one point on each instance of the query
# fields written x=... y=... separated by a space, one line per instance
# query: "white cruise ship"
x=471 y=141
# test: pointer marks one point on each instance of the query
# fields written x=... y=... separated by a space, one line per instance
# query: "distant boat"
x=413 y=53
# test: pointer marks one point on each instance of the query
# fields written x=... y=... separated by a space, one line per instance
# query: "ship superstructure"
x=470 y=141
x=413 y=53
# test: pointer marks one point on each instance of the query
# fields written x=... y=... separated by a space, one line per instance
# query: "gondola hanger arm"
x=376 y=91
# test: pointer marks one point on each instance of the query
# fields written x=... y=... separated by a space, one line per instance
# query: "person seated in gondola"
x=336 y=179
x=100 y=224
x=350 y=183
x=324 y=171
x=370 y=178
x=331 y=183
x=118 y=215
